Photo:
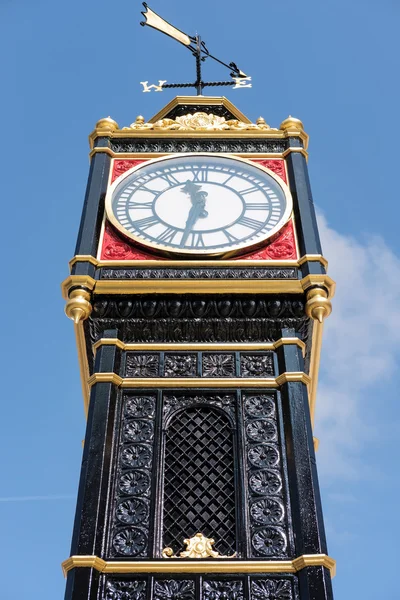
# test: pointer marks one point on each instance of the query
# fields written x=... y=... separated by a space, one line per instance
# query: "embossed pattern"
x=218 y=365
x=257 y=365
x=174 y=590
x=142 y=365
x=199 y=489
x=223 y=590
x=198 y=318
x=125 y=590
x=268 y=523
x=180 y=365
x=171 y=145
x=130 y=529
x=272 y=589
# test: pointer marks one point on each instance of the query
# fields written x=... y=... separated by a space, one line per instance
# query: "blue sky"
x=332 y=64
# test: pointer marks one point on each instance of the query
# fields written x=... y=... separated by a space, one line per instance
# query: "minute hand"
x=198 y=199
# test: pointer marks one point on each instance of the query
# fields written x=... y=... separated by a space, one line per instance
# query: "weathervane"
x=199 y=50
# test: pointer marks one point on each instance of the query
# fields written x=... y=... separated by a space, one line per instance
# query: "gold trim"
x=168 y=250
x=313 y=258
x=315 y=359
x=199 y=382
x=83 y=363
x=76 y=280
x=321 y=281
x=316 y=443
x=202 y=566
x=179 y=286
x=190 y=264
x=199 y=347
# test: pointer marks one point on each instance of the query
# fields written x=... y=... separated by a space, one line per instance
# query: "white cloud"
x=359 y=347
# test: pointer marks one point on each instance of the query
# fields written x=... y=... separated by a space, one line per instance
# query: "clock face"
x=204 y=204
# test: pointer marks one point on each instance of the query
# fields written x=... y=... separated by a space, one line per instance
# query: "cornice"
x=201 y=566
x=199 y=382
x=197 y=263
x=200 y=347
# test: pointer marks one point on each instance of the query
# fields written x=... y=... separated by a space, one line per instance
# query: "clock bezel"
x=169 y=252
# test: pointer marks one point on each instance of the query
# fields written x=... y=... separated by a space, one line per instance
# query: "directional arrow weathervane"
x=199 y=51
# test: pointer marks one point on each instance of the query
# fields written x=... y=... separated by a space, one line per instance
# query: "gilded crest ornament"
x=199 y=121
x=197 y=546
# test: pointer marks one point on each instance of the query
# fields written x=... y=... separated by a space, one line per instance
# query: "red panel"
x=121 y=166
x=283 y=247
x=115 y=247
x=277 y=165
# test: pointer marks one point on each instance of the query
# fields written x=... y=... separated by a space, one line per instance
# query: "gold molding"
x=197 y=263
x=83 y=364
x=199 y=382
x=202 y=566
x=205 y=286
x=76 y=280
x=315 y=359
x=200 y=346
x=312 y=258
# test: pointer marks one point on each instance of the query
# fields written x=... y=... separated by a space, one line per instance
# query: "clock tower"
x=198 y=292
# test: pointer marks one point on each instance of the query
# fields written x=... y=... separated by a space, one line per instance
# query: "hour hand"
x=197 y=211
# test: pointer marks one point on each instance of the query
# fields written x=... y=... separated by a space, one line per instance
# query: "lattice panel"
x=199 y=490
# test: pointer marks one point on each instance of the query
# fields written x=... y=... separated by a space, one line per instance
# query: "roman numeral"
x=200 y=175
x=170 y=178
x=133 y=204
x=145 y=223
x=257 y=206
x=250 y=190
x=252 y=223
x=231 y=238
x=168 y=235
x=197 y=240
x=146 y=189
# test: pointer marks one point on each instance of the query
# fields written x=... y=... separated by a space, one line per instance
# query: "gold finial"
x=107 y=124
x=78 y=306
x=292 y=124
x=318 y=306
x=197 y=546
x=139 y=120
x=262 y=123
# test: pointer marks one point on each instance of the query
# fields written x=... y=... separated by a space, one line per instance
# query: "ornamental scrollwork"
x=271 y=589
x=257 y=365
x=180 y=365
x=199 y=121
x=223 y=590
x=125 y=590
x=226 y=402
x=139 y=406
x=212 y=273
x=168 y=145
x=269 y=542
x=132 y=512
x=142 y=365
x=130 y=527
x=130 y=542
x=218 y=365
x=138 y=431
x=265 y=480
x=268 y=511
x=174 y=590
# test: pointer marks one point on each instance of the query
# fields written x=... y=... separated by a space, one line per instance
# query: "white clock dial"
x=199 y=204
